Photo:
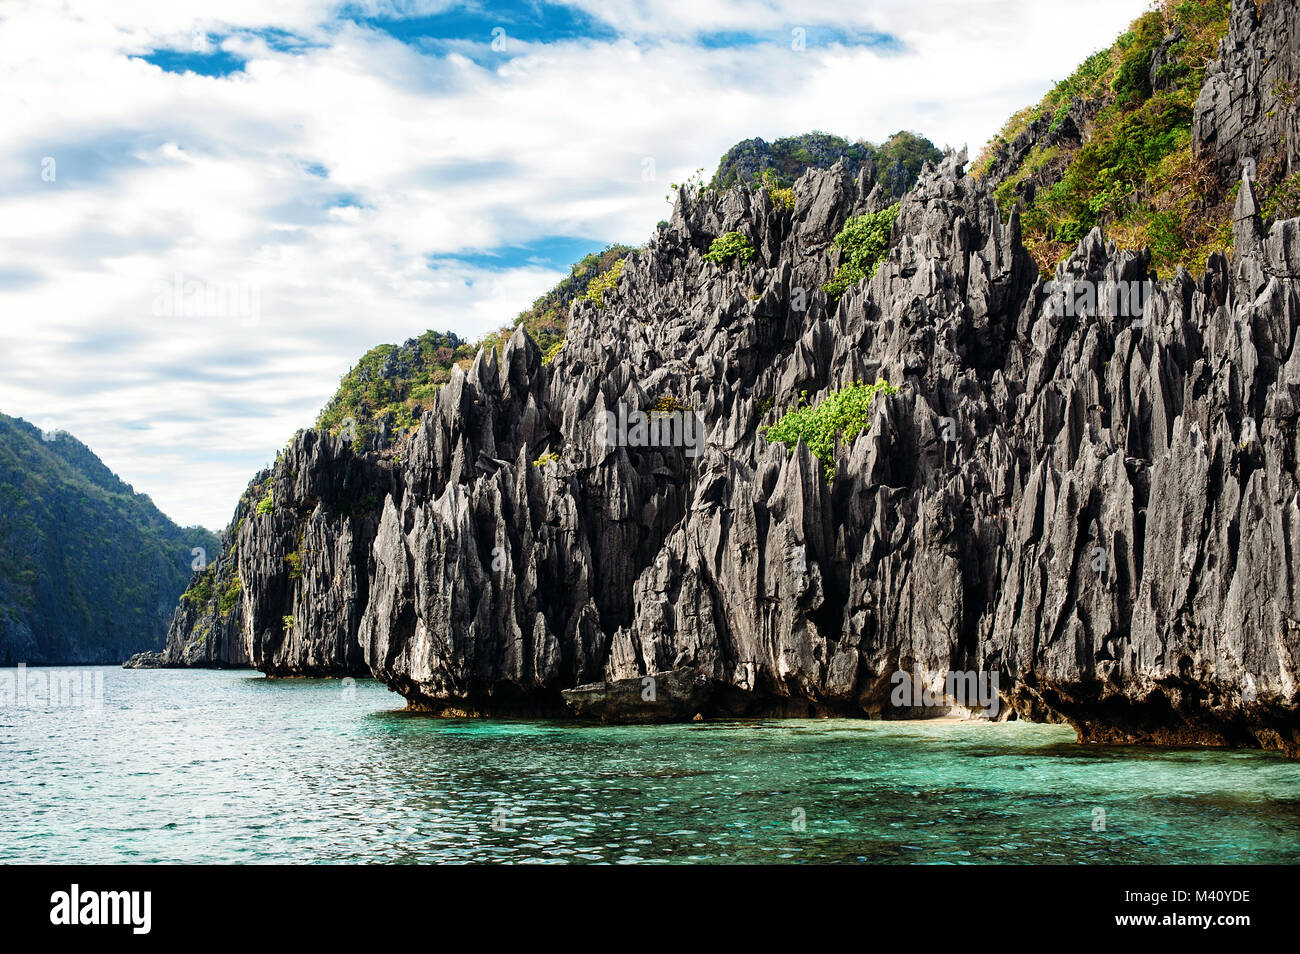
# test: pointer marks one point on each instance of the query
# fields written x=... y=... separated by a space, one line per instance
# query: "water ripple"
x=218 y=767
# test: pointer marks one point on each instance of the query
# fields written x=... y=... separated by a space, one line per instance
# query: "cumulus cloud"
x=353 y=176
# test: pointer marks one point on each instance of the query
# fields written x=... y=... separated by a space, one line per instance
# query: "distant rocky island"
x=90 y=571
x=1033 y=415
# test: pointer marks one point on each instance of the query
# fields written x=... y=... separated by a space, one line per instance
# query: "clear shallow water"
x=232 y=767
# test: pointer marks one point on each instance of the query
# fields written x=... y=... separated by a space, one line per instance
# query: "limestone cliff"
x=1097 y=502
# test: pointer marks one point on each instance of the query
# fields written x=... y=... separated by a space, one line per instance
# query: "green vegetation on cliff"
x=898 y=160
x=392 y=379
x=864 y=240
x=401 y=380
x=841 y=415
x=726 y=247
x=230 y=595
x=605 y=281
x=1134 y=173
x=548 y=317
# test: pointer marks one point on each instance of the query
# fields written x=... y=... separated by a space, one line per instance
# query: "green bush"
x=782 y=196
x=864 y=241
x=295 y=565
x=1132 y=82
x=200 y=591
x=605 y=282
x=230 y=595
x=366 y=394
x=668 y=405
x=1283 y=200
x=266 y=505
x=842 y=415
x=552 y=351
x=726 y=247
x=1135 y=176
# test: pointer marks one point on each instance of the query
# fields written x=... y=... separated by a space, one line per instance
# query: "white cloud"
x=428 y=153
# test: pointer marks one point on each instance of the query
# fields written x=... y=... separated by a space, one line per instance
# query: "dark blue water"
x=231 y=767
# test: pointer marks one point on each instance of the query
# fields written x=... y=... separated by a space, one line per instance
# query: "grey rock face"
x=304 y=565
x=1248 y=104
x=1097 y=501
x=146 y=660
x=1100 y=507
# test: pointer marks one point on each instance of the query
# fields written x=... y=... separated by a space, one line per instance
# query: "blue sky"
x=207 y=216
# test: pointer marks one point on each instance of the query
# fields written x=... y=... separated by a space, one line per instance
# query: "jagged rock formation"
x=304 y=566
x=287 y=592
x=89 y=569
x=1249 y=105
x=1099 y=503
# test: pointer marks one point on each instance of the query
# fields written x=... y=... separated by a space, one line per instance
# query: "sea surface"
x=197 y=766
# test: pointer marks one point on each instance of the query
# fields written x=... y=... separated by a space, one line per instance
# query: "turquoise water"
x=232 y=767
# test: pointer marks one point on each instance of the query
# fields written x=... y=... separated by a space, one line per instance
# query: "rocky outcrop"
x=656 y=697
x=209 y=634
x=287 y=593
x=1249 y=105
x=1100 y=507
x=146 y=660
x=303 y=558
x=1085 y=485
